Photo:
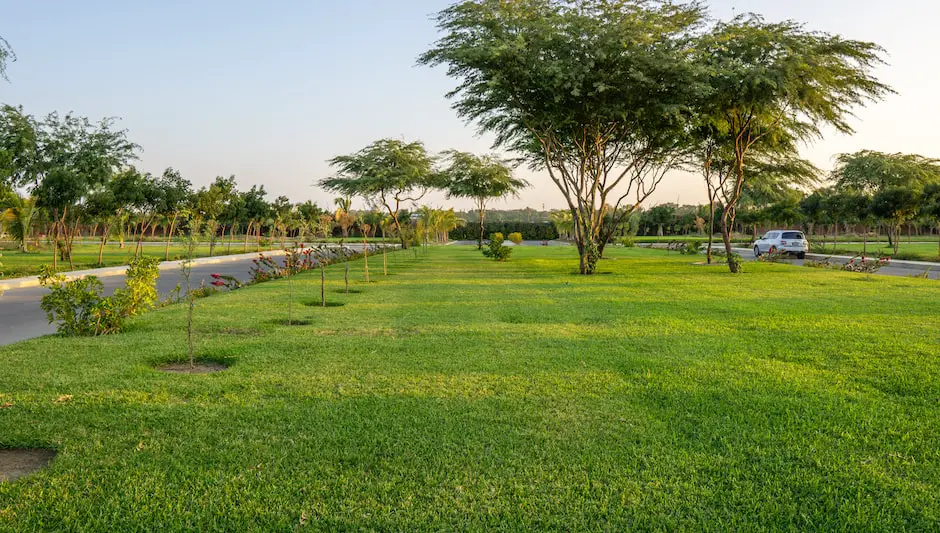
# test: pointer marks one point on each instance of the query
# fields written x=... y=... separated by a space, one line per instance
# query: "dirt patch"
x=328 y=304
x=295 y=322
x=19 y=462
x=200 y=368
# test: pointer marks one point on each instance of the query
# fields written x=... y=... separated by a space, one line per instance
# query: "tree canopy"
x=595 y=92
x=480 y=178
x=772 y=86
x=389 y=171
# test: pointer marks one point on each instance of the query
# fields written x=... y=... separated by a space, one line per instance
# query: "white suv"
x=782 y=241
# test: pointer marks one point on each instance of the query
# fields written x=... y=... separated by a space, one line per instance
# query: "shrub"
x=735 y=259
x=865 y=266
x=627 y=242
x=515 y=238
x=692 y=247
x=495 y=248
x=79 y=309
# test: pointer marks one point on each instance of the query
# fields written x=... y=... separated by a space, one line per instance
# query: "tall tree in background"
x=481 y=179
x=931 y=208
x=777 y=84
x=19 y=148
x=886 y=177
x=177 y=192
x=594 y=92
x=257 y=211
x=6 y=56
x=388 y=171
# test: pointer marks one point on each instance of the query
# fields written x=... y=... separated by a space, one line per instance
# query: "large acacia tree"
x=592 y=91
x=388 y=171
x=480 y=178
x=774 y=86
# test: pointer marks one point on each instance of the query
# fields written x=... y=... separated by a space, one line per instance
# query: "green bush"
x=515 y=238
x=79 y=309
x=495 y=248
x=627 y=242
x=692 y=247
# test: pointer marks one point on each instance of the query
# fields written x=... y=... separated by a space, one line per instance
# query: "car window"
x=771 y=235
x=792 y=235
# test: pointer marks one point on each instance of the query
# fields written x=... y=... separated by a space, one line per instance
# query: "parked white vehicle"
x=782 y=241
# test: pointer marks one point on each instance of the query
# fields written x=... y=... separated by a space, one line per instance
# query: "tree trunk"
x=55 y=241
x=104 y=240
x=480 y=239
x=365 y=254
x=711 y=227
x=727 y=221
x=169 y=237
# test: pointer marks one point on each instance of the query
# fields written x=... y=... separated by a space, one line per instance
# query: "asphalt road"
x=748 y=255
x=21 y=317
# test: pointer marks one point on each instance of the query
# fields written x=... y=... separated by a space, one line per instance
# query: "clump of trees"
x=609 y=96
x=389 y=172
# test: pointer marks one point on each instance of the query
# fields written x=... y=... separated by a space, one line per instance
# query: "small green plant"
x=78 y=309
x=496 y=249
x=627 y=242
x=691 y=248
x=735 y=262
x=515 y=237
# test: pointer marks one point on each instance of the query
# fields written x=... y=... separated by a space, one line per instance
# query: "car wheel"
x=801 y=255
x=756 y=251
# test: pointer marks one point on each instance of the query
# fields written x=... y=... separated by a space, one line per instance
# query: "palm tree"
x=563 y=222
x=17 y=217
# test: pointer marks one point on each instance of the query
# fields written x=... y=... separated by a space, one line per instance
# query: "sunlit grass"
x=461 y=393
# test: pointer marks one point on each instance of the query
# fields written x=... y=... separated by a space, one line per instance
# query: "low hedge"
x=531 y=231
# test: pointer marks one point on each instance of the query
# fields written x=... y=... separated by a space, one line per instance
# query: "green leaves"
x=387 y=166
x=478 y=177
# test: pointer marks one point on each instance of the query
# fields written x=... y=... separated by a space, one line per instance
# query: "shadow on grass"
x=318 y=303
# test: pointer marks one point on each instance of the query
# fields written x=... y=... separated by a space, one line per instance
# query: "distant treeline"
x=531 y=231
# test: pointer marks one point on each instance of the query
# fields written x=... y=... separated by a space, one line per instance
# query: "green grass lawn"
x=461 y=393
x=915 y=251
x=17 y=264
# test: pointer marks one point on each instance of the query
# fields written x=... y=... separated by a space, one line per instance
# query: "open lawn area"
x=923 y=251
x=459 y=393
x=84 y=256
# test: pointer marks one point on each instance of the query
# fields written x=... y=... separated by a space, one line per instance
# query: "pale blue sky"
x=269 y=90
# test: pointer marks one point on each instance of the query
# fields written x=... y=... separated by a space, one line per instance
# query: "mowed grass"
x=14 y=263
x=922 y=251
x=461 y=393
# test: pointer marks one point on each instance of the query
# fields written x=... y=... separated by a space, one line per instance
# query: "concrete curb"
x=33 y=281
